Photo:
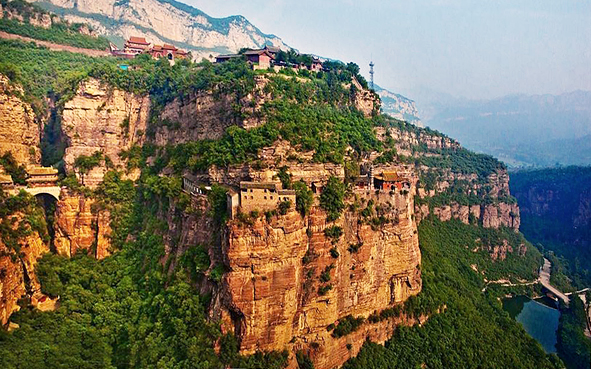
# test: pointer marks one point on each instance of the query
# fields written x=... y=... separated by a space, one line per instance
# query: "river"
x=539 y=320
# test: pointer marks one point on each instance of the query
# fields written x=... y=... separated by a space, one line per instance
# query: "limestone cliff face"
x=17 y=273
x=399 y=106
x=19 y=132
x=489 y=200
x=207 y=114
x=365 y=100
x=79 y=227
x=285 y=286
x=104 y=119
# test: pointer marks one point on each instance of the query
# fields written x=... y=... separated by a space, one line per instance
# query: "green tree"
x=332 y=198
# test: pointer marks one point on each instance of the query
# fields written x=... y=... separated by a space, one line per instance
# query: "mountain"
x=555 y=206
x=522 y=130
x=164 y=21
x=398 y=106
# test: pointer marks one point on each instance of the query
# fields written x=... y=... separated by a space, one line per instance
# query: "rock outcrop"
x=80 y=227
x=102 y=119
x=17 y=273
x=19 y=131
x=287 y=281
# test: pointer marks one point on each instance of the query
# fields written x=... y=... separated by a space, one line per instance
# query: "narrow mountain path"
x=55 y=47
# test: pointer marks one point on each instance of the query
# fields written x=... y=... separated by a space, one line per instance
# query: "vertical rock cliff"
x=102 y=119
x=17 y=268
x=98 y=119
x=19 y=131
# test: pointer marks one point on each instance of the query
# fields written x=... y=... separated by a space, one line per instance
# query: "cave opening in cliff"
x=48 y=203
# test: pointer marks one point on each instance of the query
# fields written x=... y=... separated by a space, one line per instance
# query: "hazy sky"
x=471 y=48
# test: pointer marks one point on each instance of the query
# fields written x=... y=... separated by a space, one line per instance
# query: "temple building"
x=41 y=176
x=388 y=181
x=136 y=45
x=5 y=180
x=258 y=196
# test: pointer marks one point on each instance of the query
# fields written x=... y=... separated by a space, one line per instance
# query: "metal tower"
x=371 y=65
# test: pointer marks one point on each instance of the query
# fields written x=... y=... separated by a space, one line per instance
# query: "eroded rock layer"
x=105 y=120
x=19 y=132
x=288 y=281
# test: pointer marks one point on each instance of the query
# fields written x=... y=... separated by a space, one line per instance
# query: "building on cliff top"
x=259 y=59
x=41 y=176
x=138 y=45
x=388 y=181
x=258 y=196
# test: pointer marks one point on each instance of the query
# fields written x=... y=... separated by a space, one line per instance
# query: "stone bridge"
x=47 y=190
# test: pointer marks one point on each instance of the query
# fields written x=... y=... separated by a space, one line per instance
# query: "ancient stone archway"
x=53 y=191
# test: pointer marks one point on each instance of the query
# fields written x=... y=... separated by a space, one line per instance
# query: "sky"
x=477 y=49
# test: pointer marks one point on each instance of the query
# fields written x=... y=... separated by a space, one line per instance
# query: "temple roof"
x=5 y=178
x=138 y=40
x=390 y=177
x=41 y=171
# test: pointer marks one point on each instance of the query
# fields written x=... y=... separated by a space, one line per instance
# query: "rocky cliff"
x=19 y=131
x=288 y=281
x=165 y=22
x=105 y=120
x=399 y=106
x=17 y=268
x=79 y=227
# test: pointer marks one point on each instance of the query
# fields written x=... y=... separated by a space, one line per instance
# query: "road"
x=545 y=281
x=55 y=47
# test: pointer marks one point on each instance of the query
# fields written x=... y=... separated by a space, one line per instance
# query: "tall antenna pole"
x=371 y=65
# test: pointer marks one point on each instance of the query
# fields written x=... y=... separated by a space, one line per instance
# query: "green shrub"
x=332 y=198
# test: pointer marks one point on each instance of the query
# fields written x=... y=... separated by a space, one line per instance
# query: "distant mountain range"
x=521 y=130
x=398 y=106
x=164 y=21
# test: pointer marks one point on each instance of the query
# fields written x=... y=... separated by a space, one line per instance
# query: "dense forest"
x=472 y=330
x=554 y=214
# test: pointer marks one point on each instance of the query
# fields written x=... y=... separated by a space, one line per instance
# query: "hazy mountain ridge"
x=398 y=106
x=522 y=130
x=165 y=21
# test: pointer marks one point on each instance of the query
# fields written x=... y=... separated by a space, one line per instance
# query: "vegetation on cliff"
x=554 y=215
x=124 y=311
x=466 y=328
x=573 y=346
x=57 y=31
x=140 y=307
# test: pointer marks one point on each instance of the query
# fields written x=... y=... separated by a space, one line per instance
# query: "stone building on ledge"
x=258 y=196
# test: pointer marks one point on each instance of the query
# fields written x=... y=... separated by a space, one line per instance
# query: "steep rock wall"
x=105 y=119
x=17 y=273
x=19 y=132
x=276 y=267
x=79 y=227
